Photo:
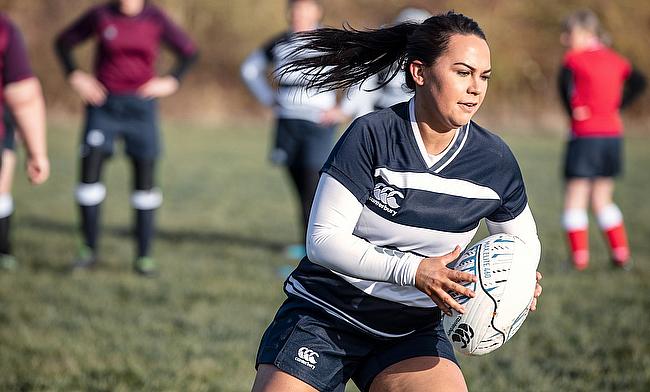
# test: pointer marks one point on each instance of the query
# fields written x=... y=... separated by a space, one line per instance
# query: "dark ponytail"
x=340 y=58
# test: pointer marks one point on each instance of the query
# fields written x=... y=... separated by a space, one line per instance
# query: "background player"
x=22 y=95
x=305 y=120
x=402 y=192
x=595 y=83
x=121 y=103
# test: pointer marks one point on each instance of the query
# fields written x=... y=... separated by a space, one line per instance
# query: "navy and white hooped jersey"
x=411 y=203
x=291 y=100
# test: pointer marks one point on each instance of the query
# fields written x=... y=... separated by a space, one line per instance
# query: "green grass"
x=226 y=216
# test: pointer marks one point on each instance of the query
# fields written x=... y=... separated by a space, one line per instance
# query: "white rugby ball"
x=506 y=270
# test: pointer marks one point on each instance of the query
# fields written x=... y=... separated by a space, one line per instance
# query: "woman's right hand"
x=88 y=87
x=435 y=279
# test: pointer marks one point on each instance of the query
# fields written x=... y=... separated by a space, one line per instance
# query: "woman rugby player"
x=401 y=194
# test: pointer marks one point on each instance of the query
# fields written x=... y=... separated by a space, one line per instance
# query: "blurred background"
x=523 y=36
x=228 y=214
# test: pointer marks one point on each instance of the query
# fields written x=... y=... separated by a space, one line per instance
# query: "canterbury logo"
x=387 y=195
x=307 y=357
x=463 y=334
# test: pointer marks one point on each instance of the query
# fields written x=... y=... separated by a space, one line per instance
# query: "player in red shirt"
x=21 y=94
x=595 y=83
x=121 y=103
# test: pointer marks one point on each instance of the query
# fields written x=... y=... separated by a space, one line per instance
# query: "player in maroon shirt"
x=121 y=103
x=595 y=83
x=21 y=94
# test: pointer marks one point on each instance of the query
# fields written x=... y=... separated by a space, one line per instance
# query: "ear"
x=416 y=68
x=564 y=39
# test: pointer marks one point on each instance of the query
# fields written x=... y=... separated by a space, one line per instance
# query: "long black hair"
x=331 y=58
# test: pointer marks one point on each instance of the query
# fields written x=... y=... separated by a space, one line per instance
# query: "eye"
x=463 y=73
x=486 y=77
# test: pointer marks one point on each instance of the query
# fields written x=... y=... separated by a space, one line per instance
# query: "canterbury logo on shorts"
x=307 y=357
x=463 y=334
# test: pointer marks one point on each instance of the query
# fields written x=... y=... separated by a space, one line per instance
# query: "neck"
x=435 y=135
x=131 y=9
x=588 y=43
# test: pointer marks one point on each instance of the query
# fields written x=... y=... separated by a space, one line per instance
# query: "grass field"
x=225 y=219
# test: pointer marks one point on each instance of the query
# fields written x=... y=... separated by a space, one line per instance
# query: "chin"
x=460 y=122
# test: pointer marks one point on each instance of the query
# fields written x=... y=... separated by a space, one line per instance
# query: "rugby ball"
x=506 y=270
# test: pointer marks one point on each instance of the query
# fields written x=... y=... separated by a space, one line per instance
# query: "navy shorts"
x=302 y=143
x=9 y=141
x=131 y=118
x=593 y=157
x=325 y=352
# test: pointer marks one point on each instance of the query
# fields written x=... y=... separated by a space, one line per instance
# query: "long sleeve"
x=522 y=226
x=634 y=86
x=16 y=63
x=76 y=33
x=565 y=85
x=254 y=73
x=180 y=43
x=332 y=244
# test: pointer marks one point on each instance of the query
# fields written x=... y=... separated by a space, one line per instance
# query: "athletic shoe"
x=86 y=258
x=145 y=266
x=295 y=252
x=8 y=262
x=625 y=265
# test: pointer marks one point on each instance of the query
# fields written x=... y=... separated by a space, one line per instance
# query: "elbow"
x=192 y=56
x=22 y=93
x=318 y=248
x=60 y=46
x=248 y=72
x=311 y=248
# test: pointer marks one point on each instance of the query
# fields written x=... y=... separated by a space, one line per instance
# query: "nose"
x=475 y=88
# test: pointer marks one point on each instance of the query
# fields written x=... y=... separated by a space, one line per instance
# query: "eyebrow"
x=472 y=68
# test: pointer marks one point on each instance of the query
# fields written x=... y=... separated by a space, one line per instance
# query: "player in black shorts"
x=402 y=192
x=305 y=119
x=121 y=104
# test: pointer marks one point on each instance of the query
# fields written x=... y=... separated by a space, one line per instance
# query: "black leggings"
x=143 y=180
x=93 y=163
x=305 y=180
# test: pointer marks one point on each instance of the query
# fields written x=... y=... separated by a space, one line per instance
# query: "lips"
x=468 y=106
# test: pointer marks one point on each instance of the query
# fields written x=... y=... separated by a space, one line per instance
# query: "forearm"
x=522 y=226
x=183 y=64
x=565 y=85
x=253 y=73
x=332 y=244
x=634 y=86
x=64 y=55
x=25 y=100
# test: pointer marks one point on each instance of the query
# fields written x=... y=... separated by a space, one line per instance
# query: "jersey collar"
x=440 y=161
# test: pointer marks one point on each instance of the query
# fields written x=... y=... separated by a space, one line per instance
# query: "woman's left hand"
x=538 y=292
x=159 y=87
